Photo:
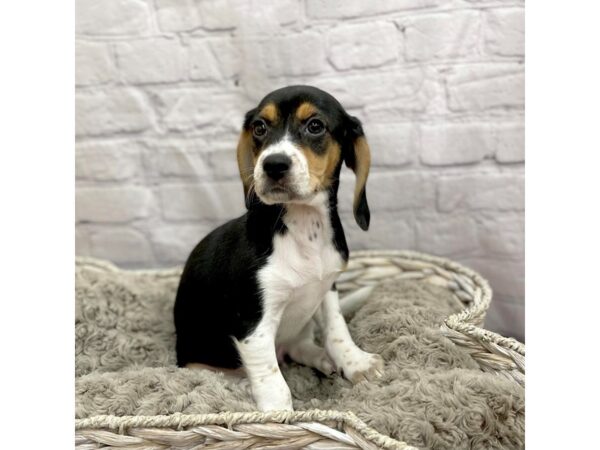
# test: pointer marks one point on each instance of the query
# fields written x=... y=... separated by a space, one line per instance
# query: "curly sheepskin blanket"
x=432 y=394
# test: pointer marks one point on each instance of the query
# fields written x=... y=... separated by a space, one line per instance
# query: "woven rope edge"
x=179 y=421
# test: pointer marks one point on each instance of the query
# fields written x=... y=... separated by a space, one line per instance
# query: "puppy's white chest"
x=302 y=267
x=309 y=239
x=305 y=253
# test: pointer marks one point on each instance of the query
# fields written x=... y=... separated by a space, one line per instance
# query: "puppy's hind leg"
x=305 y=351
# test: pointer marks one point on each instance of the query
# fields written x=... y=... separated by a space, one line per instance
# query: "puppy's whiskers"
x=251 y=190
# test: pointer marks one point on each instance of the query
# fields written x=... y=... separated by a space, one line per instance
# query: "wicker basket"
x=316 y=429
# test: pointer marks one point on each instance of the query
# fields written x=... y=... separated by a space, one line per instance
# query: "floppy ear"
x=245 y=159
x=357 y=156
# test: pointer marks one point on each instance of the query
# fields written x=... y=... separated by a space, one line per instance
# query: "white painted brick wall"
x=162 y=86
x=448 y=35
x=372 y=44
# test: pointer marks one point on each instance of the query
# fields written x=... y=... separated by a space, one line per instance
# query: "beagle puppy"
x=253 y=290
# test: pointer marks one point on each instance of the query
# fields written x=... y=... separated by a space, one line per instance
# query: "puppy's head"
x=292 y=146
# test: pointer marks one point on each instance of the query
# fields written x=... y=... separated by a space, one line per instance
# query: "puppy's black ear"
x=357 y=157
x=246 y=158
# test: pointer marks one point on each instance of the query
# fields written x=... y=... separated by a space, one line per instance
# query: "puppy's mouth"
x=279 y=189
x=277 y=193
x=274 y=192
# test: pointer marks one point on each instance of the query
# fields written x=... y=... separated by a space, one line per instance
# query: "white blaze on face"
x=296 y=181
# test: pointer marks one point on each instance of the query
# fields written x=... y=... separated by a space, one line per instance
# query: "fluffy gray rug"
x=432 y=394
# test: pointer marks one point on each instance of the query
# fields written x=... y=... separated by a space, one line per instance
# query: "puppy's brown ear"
x=246 y=159
x=357 y=156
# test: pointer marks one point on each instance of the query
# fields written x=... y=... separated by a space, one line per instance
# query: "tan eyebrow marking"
x=305 y=110
x=270 y=112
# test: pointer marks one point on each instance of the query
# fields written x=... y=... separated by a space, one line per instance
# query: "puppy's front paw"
x=273 y=397
x=362 y=366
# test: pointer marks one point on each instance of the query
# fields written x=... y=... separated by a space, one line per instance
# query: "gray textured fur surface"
x=432 y=394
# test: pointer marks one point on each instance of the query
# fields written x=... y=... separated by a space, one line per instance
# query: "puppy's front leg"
x=356 y=364
x=259 y=357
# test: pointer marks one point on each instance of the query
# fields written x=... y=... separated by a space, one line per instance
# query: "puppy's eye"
x=259 y=128
x=315 y=126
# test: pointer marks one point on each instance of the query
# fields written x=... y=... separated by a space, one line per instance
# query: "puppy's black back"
x=218 y=296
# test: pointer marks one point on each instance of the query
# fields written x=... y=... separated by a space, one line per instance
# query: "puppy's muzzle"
x=277 y=165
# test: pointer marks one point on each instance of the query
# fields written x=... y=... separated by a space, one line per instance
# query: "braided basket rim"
x=180 y=421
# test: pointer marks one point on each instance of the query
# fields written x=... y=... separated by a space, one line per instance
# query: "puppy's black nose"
x=277 y=165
